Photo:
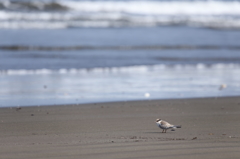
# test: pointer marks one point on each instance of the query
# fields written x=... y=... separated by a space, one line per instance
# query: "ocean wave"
x=32 y=5
x=77 y=14
x=157 y=7
x=123 y=69
x=132 y=6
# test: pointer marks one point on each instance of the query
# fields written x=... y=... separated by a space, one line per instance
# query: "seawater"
x=73 y=52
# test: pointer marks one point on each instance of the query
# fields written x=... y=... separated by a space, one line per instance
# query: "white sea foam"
x=157 y=7
x=126 y=69
x=209 y=22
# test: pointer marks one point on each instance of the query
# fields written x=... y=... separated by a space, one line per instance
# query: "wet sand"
x=210 y=128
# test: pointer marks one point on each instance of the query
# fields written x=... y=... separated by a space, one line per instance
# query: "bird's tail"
x=178 y=126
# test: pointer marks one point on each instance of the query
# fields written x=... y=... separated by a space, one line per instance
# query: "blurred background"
x=84 y=51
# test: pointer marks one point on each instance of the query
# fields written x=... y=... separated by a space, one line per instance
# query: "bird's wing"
x=166 y=124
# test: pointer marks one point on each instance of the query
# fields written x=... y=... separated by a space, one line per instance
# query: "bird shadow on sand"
x=157 y=132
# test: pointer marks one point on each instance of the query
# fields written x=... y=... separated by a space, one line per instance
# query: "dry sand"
x=210 y=129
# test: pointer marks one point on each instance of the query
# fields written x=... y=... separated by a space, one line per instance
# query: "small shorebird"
x=165 y=125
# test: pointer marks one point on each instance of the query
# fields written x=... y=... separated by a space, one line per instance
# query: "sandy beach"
x=210 y=129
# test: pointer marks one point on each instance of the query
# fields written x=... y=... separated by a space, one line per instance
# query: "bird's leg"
x=163 y=131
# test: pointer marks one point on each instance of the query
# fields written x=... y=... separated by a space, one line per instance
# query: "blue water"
x=122 y=54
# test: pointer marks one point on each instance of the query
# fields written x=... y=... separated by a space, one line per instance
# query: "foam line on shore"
x=139 y=69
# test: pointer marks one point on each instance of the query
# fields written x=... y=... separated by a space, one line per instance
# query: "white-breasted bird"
x=165 y=125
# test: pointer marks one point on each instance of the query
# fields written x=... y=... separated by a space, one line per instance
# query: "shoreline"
x=116 y=101
x=123 y=130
